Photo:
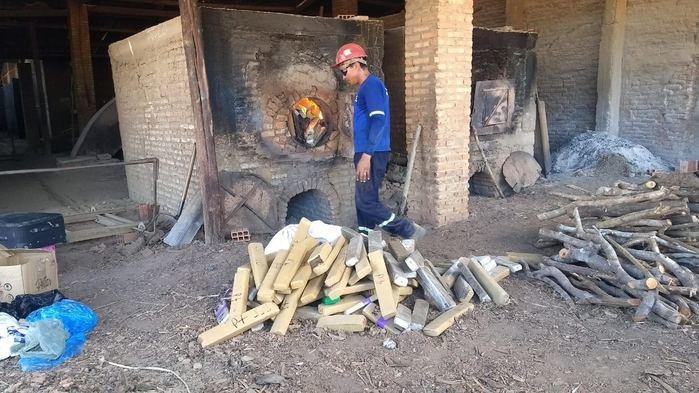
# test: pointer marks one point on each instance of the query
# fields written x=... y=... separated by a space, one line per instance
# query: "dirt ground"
x=153 y=305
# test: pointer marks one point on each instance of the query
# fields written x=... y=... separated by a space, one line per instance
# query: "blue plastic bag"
x=78 y=320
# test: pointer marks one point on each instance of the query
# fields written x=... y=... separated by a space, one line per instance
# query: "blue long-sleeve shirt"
x=372 y=117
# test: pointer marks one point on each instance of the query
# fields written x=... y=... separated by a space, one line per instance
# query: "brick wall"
x=394 y=71
x=660 y=77
x=155 y=113
x=438 y=37
x=489 y=13
x=567 y=53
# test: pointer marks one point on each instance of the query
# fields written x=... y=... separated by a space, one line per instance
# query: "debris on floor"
x=348 y=282
x=594 y=153
x=630 y=246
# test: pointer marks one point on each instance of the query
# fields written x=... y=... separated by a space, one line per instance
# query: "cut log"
x=312 y=291
x=645 y=307
x=613 y=259
x=588 y=256
x=620 y=210
x=644 y=284
x=657 y=212
x=398 y=276
x=570 y=268
x=472 y=281
x=494 y=290
x=562 y=280
x=563 y=238
x=298 y=255
x=610 y=201
x=686 y=277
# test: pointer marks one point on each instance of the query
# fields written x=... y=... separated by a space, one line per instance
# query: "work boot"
x=418 y=232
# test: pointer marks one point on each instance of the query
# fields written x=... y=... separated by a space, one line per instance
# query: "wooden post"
x=81 y=62
x=203 y=129
x=544 y=131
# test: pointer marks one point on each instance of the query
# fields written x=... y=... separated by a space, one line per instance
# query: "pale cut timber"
x=237 y=326
x=312 y=290
x=418 y=319
x=301 y=277
x=398 y=276
x=341 y=306
x=320 y=254
x=337 y=269
x=301 y=231
x=494 y=290
x=359 y=287
x=361 y=305
x=97 y=233
x=336 y=289
x=265 y=293
x=372 y=313
x=499 y=273
x=286 y=312
x=345 y=323
x=239 y=293
x=382 y=284
x=326 y=263
x=258 y=263
x=363 y=268
x=398 y=250
x=307 y=313
x=297 y=256
x=446 y=319
x=278 y=298
x=403 y=317
x=529 y=258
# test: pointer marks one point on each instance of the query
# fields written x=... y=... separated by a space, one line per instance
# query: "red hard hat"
x=348 y=52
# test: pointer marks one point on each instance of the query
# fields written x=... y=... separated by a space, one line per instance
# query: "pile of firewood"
x=355 y=280
x=629 y=245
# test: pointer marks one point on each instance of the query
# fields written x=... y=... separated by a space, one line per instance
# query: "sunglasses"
x=344 y=70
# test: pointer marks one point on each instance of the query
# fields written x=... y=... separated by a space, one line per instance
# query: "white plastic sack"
x=282 y=240
x=7 y=340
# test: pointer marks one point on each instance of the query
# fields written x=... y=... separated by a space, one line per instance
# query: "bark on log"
x=679 y=244
x=667 y=313
x=684 y=291
x=652 y=223
x=645 y=307
x=557 y=288
x=587 y=256
x=585 y=271
x=554 y=273
x=657 y=212
x=684 y=309
x=613 y=259
x=612 y=201
x=603 y=298
x=616 y=211
x=563 y=238
x=626 y=254
x=613 y=290
x=662 y=321
x=683 y=274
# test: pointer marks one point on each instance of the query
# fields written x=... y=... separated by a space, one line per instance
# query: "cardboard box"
x=26 y=272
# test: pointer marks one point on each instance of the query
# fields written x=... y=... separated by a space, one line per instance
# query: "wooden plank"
x=372 y=313
x=319 y=254
x=203 y=134
x=499 y=273
x=382 y=282
x=312 y=292
x=301 y=231
x=297 y=256
x=82 y=217
x=360 y=287
x=362 y=268
x=337 y=269
x=258 y=263
x=301 y=277
x=97 y=233
x=326 y=263
x=265 y=293
x=446 y=319
x=239 y=293
x=345 y=323
x=341 y=306
x=336 y=289
x=355 y=250
x=494 y=290
x=287 y=311
x=237 y=326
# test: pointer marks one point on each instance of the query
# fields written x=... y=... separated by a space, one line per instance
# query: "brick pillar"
x=611 y=53
x=81 y=62
x=514 y=14
x=438 y=50
x=344 y=7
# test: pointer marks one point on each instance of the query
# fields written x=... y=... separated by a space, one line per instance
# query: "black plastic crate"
x=31 y=230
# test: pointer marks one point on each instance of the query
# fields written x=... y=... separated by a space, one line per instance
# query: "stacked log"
x=628 y=245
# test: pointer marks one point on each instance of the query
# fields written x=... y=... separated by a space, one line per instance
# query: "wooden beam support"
x=203 y=130
x=345 y=7
x=81 y=62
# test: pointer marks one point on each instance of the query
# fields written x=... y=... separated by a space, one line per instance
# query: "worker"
x=372 y=144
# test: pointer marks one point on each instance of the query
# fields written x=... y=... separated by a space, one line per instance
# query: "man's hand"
x=364 y=168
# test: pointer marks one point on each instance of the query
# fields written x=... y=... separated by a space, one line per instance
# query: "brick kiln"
x=281 y=115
